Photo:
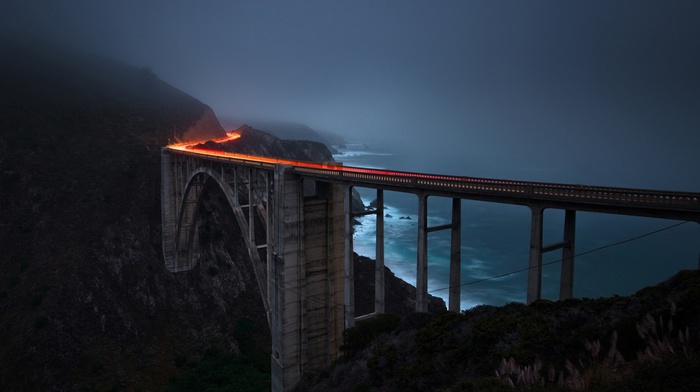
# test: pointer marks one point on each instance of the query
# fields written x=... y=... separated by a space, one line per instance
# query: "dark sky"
x=602 y=92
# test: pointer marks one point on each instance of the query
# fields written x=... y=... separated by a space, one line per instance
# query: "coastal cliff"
x=86 y=300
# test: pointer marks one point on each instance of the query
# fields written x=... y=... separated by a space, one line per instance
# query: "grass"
x=221 y=372
x=605 y=344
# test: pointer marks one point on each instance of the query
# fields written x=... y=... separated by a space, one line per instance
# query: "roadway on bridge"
x=626 y=201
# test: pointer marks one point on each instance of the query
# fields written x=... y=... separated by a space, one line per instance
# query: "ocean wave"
x=400 y=254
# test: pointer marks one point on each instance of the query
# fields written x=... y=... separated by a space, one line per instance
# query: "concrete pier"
x=534 y=282
x=307 y=278
x=379 y=281
x=422 y=262
x=566 y=283
x=455 y=257
x=349 y=261
x=534 y=273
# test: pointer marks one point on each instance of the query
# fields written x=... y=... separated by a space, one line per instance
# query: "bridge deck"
x=626 y=201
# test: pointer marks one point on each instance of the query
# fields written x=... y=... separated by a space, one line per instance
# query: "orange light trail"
x=482 y=184
x=190 y=147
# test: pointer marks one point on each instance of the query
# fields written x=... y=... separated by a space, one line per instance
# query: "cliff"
x=643 y=342
x=287 y=130
x=85 y=298
x=254 y=142
x=86 y=301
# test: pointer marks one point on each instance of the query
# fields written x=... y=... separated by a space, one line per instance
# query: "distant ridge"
x=286 y=130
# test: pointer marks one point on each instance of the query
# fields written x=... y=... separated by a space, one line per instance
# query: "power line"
x=560 y=260
x=332 y=304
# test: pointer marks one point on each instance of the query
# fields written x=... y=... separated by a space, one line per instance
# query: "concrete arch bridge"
x=304 y=262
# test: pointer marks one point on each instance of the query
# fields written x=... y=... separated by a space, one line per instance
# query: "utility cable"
x=332 y=304
x=560 y=260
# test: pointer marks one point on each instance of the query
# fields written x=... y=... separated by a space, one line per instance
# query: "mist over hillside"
x=86 y=300
x=286 y=130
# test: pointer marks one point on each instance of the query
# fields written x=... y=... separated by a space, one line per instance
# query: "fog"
x=597 y=92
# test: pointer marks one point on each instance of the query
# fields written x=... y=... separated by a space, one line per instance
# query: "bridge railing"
x=513 y=191
x=617 y=195
x=524 y=190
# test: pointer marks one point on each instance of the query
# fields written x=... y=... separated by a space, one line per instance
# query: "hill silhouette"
x=85 y=298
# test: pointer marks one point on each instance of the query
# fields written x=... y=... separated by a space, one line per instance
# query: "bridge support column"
x=180 y=196
x=456 y=257
x=379 y=282
x=534 y=275
x=422 y=264
x=251 y=207
x=349 y=261
x=286 y=281
x=534 y=282
x=170 y=195
x=307 y=274
x=566 y=283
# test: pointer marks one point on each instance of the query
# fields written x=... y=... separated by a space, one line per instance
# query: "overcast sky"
x=601 y=92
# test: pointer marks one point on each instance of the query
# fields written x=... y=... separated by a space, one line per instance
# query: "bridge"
x=296 y=219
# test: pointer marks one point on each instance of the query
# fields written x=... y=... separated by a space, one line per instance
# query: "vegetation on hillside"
x=647 y=341
x=85 y=298
x=248 y=371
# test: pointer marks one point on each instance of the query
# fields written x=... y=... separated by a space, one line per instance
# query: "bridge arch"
x=302 y=277
x=187 y=243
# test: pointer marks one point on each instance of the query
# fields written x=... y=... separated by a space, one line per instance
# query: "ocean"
x=611 y=259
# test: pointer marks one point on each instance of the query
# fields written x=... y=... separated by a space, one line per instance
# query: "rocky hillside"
x=86 y=302
x=649 y=341
x=287 y=130
x=254 y=142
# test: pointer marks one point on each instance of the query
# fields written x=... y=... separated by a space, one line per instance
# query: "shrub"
x=14 y=280
x=180 y=361
x=97 y=368
x=37 y=299
x=221 y=372
x=247 y=335
x=675 y=373
x=360 y=336
x=41 y=322
x=212 y=270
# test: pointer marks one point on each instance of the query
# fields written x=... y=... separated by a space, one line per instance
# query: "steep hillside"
x=649 y=341
x=286 y=130
x=85 y=299
x=254 y=142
